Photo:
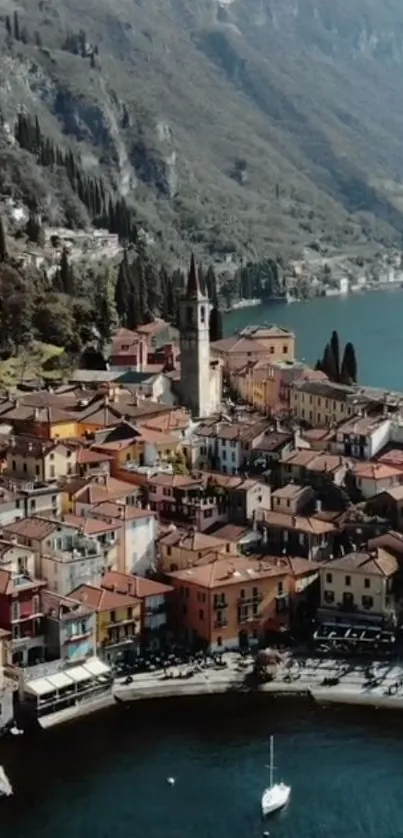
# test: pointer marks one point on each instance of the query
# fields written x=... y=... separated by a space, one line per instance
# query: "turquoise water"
x=108 y=778
x=373 y=321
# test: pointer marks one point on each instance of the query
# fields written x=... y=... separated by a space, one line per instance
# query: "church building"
x=201 y=378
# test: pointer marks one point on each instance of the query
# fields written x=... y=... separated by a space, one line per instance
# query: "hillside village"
x=193 y=496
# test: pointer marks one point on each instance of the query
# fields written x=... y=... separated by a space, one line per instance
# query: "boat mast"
x=271 y=760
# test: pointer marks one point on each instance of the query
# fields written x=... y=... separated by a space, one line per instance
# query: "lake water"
x=107 y=778
x=373 y=321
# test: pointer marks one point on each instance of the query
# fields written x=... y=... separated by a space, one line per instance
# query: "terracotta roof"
x=239 y=345
x=234 y=570
x=87 y=456
x=300 y=523
x=290 y=492
x=66 y=608
x=33 y=446
x=34 y=528
x=272 y=441
x=391 y=541
x=362 y=425
x=109 y=489
x=394 y=457
x=157 y=437
x=101 y=599
x=395 y=492
x=142 y=588
x=378 y=562
x=195 y=541
x=300 y=457
x=376 y=471
x=8 y=587
x=89 y=526
x=120 y=511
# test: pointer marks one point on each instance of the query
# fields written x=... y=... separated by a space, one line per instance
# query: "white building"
x=362 y=437
x=201 y=379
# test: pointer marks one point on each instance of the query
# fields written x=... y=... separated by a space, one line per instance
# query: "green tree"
x=215 y=325
x=335 y=348
x=329 y=363
x=349 y=365
x=180 y=464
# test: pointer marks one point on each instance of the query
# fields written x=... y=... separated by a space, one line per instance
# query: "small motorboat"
x=277 y=794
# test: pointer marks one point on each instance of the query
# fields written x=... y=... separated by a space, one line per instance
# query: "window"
x=52 y=456
x=280 y=588
x=203 y=314
x=189 y=315
x=367 y=583
x=15 y=610
x=328 y=596
x=329 y=578
x=129 y=613
x=201 y=614
x=169 y=551
x=285 y=350
x=35 y=604
x=272 y=350
x=112 y=616
x=242 y=593
x=52 y=471
x=24 y=468
x=37 y=470
x=347 y=581
x=219 y=641
x=367 y=601
x=13 y=465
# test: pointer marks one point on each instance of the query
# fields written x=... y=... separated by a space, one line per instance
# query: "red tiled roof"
x=137 y=585
x=101 y=599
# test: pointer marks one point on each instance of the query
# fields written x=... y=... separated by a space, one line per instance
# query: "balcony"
x=250 y=600
x=219 y=624
x=77 y=636
x=220 y=604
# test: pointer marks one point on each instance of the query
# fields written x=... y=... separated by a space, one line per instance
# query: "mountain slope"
x=246 y=126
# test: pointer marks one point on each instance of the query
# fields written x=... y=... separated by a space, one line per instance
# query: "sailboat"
x=277 y=794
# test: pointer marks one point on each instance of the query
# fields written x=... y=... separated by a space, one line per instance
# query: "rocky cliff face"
x=167 y=98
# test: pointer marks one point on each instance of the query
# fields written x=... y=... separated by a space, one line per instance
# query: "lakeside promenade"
x=296 y=677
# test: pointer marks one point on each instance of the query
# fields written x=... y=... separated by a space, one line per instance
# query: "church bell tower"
x=194 y=311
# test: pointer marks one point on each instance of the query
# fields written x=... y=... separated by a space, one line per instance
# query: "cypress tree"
x=349 y=365
x=3 y=242
x=8 y=25
x=335 y=347
x=16 y=27
x=215 y=325
x=123 y=289
x=328 y=363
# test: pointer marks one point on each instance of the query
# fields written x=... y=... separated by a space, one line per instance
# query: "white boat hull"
x=275 y=797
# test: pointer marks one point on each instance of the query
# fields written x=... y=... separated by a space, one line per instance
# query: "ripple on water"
x=110 y=781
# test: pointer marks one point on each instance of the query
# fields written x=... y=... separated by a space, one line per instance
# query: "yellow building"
x=40 y=459
x=359 y=583
x=266 y=343
x=118 y=620
x=324 y=403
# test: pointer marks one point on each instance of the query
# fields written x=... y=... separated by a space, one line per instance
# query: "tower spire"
x=193 y=290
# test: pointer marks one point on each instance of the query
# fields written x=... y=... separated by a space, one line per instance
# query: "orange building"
x=233 y=601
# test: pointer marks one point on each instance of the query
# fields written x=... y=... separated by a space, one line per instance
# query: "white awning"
x=78 y=673
x=96 y=667
x=39 y=687
x=60 y=679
